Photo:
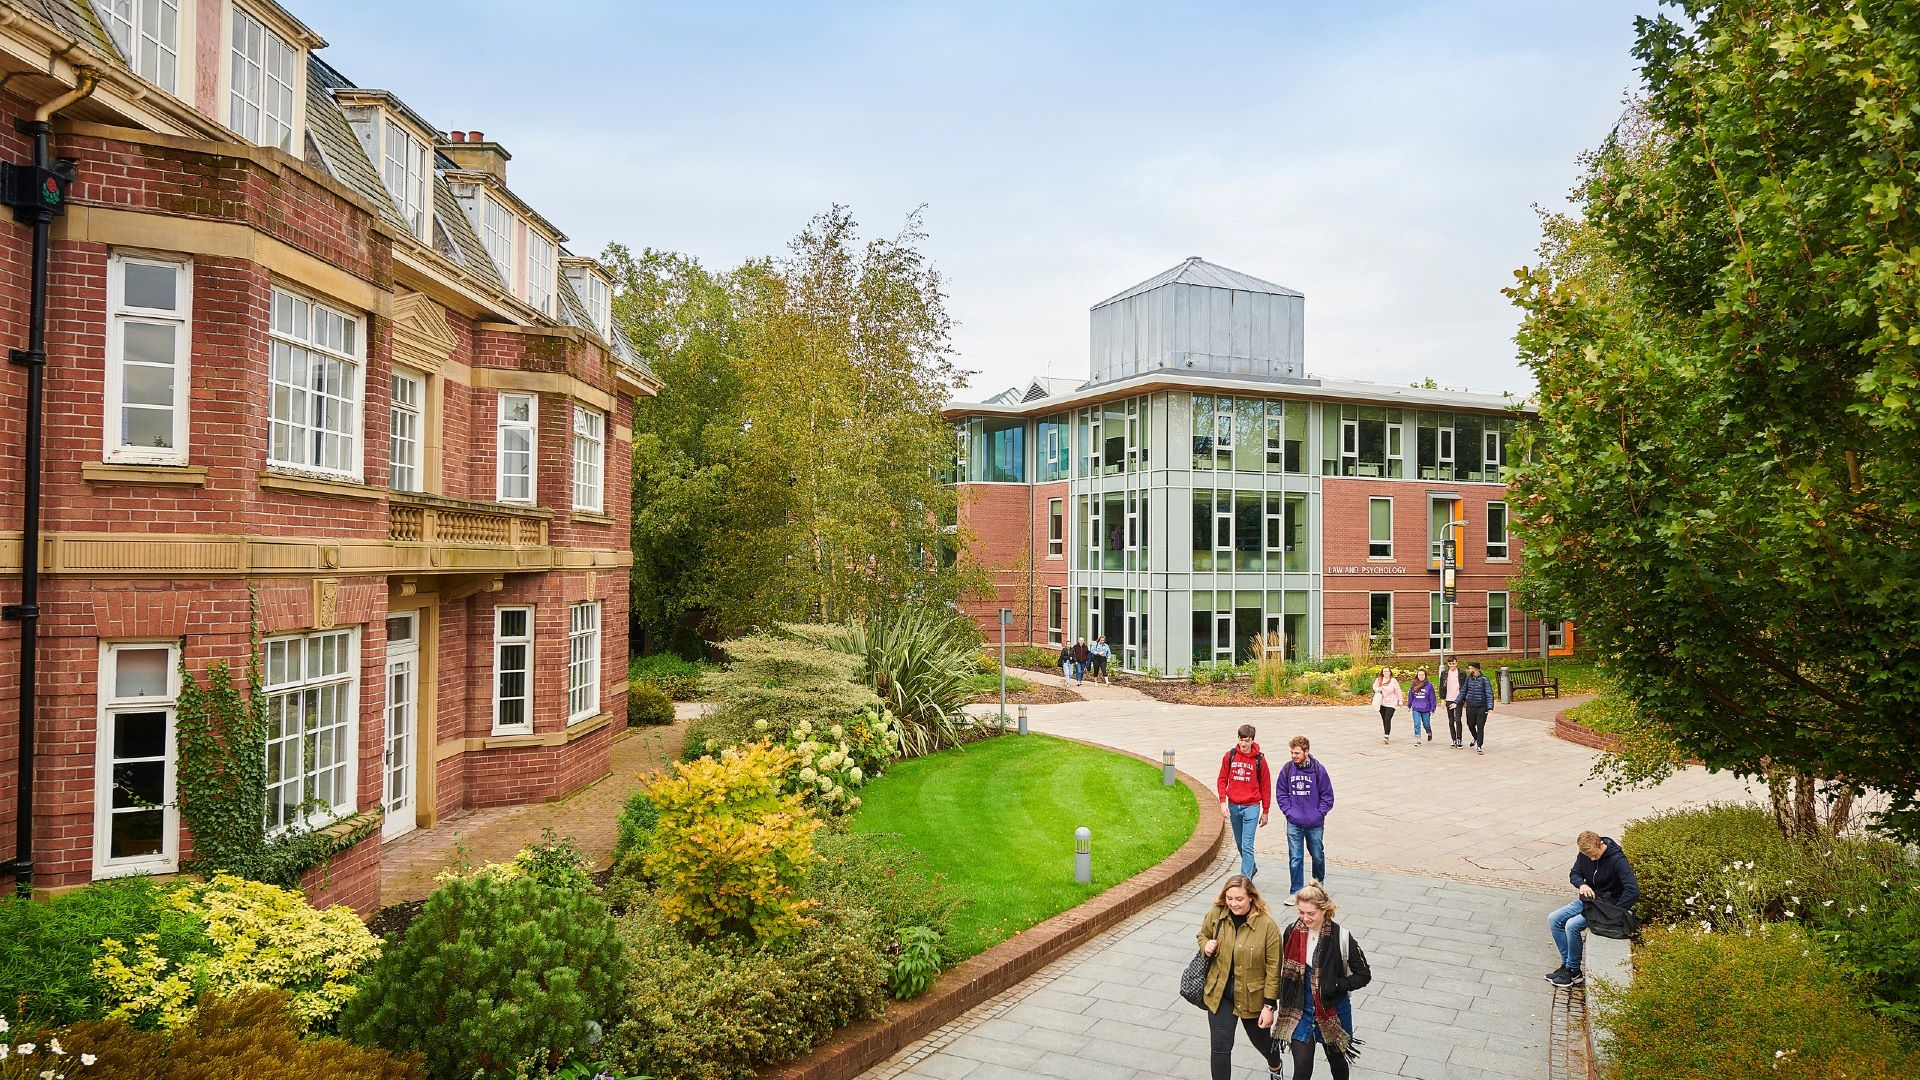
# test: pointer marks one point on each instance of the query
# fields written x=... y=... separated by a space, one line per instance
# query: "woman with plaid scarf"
x=1320 y=966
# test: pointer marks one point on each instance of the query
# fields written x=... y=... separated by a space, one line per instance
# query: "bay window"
x=312 y=688
x=589 y=457
x=583 y=661
x=313 y=413
x=261 y=92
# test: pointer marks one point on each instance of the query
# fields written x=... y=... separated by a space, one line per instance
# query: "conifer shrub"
x=48 y=949
x=730 y=851
x=248 y=1034
x=496 y=971
x=781 y=677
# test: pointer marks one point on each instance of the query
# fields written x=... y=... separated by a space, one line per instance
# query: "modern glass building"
x=1201 y=497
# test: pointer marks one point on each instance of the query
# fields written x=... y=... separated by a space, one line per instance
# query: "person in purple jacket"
x=1421 y=701
x=1305 y=795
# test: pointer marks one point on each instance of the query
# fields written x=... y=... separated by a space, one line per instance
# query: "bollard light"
x=1083 y=855
x=1166 y=766
x=1023 y=719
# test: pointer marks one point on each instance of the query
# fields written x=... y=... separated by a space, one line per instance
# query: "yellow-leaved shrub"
x=730 y=852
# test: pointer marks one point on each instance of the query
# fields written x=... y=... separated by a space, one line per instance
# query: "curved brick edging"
x=857 y=1048
x=1579 y=734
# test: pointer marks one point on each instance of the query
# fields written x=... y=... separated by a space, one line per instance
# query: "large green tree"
x=791 y=467
x=1724 y=488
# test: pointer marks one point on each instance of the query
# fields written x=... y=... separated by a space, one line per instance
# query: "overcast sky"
x=1382 y=158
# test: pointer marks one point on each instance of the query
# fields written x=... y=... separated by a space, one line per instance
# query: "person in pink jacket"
x=1387 y=697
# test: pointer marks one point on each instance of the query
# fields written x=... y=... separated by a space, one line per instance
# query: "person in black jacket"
x=1478 y=699
x=1601 y=871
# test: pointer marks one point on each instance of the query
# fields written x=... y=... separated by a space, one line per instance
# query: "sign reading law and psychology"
x=1366 y=570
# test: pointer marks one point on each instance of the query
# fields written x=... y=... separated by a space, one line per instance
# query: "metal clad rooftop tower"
x=1200 y=317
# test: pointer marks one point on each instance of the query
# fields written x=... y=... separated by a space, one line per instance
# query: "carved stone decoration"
x=326 y=601
x=422 y=337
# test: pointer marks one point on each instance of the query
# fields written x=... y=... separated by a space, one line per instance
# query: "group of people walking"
x=1080 y=660
x=1466 y=694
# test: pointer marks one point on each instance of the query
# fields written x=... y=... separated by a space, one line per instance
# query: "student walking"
x=1453 y=685
x=1420 y=702
x=1305 y=795
x=1320 y=968
x=1478 y=699
x=1239 y=930
x=1101 y=653
x=1066 y=663
x=1243 y=788
x=1386 y=697
x=1081 y=655
x=1600 y=872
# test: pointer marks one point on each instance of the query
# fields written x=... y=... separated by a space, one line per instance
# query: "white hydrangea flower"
x=858 y=777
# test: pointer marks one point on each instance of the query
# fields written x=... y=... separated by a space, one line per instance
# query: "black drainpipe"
x=38 y=194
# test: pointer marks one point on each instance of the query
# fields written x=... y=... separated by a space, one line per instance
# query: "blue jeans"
x=1566 y=924
x=1244 y=818
x=1422 y=720
x=1299 y=837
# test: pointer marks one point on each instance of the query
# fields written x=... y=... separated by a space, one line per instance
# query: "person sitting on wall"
x=1600 y=874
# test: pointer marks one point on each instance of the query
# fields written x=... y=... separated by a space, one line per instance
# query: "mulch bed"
x=1034 y=694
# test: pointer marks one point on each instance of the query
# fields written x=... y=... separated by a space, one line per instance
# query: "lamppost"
x=1449 y=571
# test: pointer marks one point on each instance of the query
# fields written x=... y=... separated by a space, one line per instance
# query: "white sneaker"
x=1288 y=901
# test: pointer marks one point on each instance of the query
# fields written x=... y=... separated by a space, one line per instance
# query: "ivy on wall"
x=221 y=779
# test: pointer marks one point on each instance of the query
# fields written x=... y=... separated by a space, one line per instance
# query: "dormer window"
x=403 y=165
x=540 y=279
x=147 y=33
x=265 y=75
x=597 y=295
x=496 y=232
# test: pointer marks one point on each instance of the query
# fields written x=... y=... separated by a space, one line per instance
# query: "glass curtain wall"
x=1112 y=455
x=1461 y=446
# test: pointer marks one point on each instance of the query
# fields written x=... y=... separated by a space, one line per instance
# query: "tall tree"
x=791 y=467
x=1725 y=485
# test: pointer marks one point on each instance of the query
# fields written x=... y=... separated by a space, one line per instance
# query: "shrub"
x=633 y=827
x=1033 y=656
x=47 y=949
x=676 y=677
x=919 y=659
x=831 y=761
x=495 y=971
x=781 y=677
x=648 y=706
x=862 y=872
x=1712 y=1006
x=1881 y=940
x=730 y=850
x=917 y=964
x=1692 y=853
x=248 y=1034
x=556 y=862
x=1359 y=680
x=1323 y=684
x=715 y=1012
x=261 y=936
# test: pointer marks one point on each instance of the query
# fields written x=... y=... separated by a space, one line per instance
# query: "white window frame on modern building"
x=406 y=430
x=1373 y=544
x=1494 y=456
x=1556 y=636
x=113 y=704
x=296 y=695
x=503 y=641
x=496 y=233
x=508 y=455
x=1056 y=528
x=150 y=56
x=589 y=459
x=315 y=353
x=541 y=252
x=1501 y=638
x=1056 y=614
x=1497 y=544
x=1349 y=446
x=583 y=661
x=263 y=85
x=405 y=169
x=120 y=367
x=1442 y=641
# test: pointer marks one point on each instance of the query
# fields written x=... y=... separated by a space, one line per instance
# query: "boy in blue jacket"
x=1601 y=871
x=1305 y=794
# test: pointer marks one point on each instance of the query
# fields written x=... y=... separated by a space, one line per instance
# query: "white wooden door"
x=403 y=725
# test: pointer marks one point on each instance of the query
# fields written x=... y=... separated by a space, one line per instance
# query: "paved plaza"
x=1445 y=865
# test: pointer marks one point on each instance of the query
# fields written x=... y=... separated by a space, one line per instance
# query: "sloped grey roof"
x=1041 y=387
x=77 y=19
x=1198 y=271
x=334 y=147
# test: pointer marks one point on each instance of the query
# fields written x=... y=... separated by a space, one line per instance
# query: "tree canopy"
x=1724 y=488
x=791 y=468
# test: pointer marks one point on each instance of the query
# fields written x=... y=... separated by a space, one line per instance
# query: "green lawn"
x=996 y=818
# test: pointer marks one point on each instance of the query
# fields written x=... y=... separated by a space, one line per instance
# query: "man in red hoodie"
x=1246 y=794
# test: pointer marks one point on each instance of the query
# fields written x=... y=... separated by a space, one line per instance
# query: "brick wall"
x=1008 y=523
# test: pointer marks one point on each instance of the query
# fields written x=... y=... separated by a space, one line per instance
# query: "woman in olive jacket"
x=1244 y=942
x=1315 y=980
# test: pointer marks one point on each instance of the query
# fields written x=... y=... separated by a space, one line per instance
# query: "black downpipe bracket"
x=37 y=193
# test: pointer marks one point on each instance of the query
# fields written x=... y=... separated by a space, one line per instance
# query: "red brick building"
x=1201 y=497
x=310 y=363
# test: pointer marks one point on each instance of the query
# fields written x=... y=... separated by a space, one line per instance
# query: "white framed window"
x=1497 y=620
x=136 y=825
x=262 y=92
x=1556 y=636
x=1379 y=528
x=599 y=298
x=405 y=468
x=1056 y=527
x=589 y=459
x=540 y=279
x=496 y=232
x=512 y=670
x=1056 y=614
x=1496 y=530
x=149 y=331
x=1495 y=453
x=313 y=688
x=1380 y=613
x=147 y=33
x=583 y=661
x=518 y=435
x=403 y=165
x=313 y=415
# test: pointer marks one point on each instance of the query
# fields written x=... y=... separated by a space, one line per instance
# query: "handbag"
x=1193 y=981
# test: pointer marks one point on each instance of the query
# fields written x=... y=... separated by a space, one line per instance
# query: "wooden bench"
x=1532 y=679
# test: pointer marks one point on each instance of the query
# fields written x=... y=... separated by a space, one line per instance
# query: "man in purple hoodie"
x=1305 y=794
